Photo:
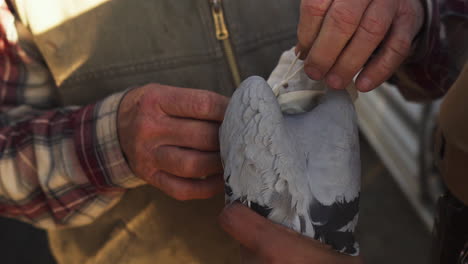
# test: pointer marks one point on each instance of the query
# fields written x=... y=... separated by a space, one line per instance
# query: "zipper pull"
x=217 y=11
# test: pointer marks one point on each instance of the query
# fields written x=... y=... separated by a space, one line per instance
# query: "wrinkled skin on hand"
x=170 y=138
x=270 y=243
x=337 y=38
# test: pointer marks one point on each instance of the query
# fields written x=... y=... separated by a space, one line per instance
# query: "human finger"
x=186 y=189
x=340 y=23
x=192 y=103
x=312 y=14
x=187 y=163
x=273 y=243
x=371 y=31
x=395 y=49
x=189 y=133
x=249 y=228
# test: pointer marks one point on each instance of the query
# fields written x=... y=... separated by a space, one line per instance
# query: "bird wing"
x=328 y=135
x=256 y=149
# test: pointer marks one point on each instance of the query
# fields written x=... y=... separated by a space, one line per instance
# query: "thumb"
x=252 y=230
x=241 y=223
x=265 y=238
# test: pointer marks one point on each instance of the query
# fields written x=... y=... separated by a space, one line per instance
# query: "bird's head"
x=295 y=91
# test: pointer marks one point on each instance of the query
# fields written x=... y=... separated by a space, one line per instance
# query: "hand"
x=337 y=38
x=271 y=243
x=170 y=138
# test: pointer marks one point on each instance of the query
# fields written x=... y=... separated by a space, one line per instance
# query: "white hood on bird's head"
x=300 y=94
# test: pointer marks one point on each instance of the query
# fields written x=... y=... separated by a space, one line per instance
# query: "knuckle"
x=159 y=157
x=191 y=166
x=148 y=129
x=313 y=8
x=408 y=11
x=401 y=47
x=161 y=95
x=385 y=65
x=139 y=129
x=205 y=104
x=145 y=105
x=404 y=44
x=345 y=20
x=147 y=97
x=375 y=28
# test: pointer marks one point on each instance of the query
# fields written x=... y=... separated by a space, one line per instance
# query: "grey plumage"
x=303 y=170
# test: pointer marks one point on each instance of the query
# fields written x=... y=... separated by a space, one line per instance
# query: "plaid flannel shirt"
x=58 y=167
x=64 y=166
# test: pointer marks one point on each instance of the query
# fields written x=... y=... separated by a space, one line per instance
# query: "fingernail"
x=334 y=81
x=313 y=73
x=364 y=84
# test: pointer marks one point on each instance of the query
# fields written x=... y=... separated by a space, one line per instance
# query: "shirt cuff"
x=99 y=149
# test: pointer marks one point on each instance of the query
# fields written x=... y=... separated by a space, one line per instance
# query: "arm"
x=66 y=166
x=57 y=167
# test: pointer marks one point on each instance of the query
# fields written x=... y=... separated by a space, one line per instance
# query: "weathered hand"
x=267 y=242
x=170 y=138
x=337 y=38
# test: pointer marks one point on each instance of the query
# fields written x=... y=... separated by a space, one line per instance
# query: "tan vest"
x=98 y=47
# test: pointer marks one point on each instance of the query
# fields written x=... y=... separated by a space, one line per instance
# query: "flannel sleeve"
x=432 y=69
x=58 y=166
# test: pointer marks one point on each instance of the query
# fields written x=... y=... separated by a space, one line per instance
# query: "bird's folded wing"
x=255 y=145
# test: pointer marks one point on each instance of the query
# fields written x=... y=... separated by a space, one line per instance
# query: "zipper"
x=222 y=34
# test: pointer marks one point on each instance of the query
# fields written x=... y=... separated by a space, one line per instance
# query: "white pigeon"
x=299 y=170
